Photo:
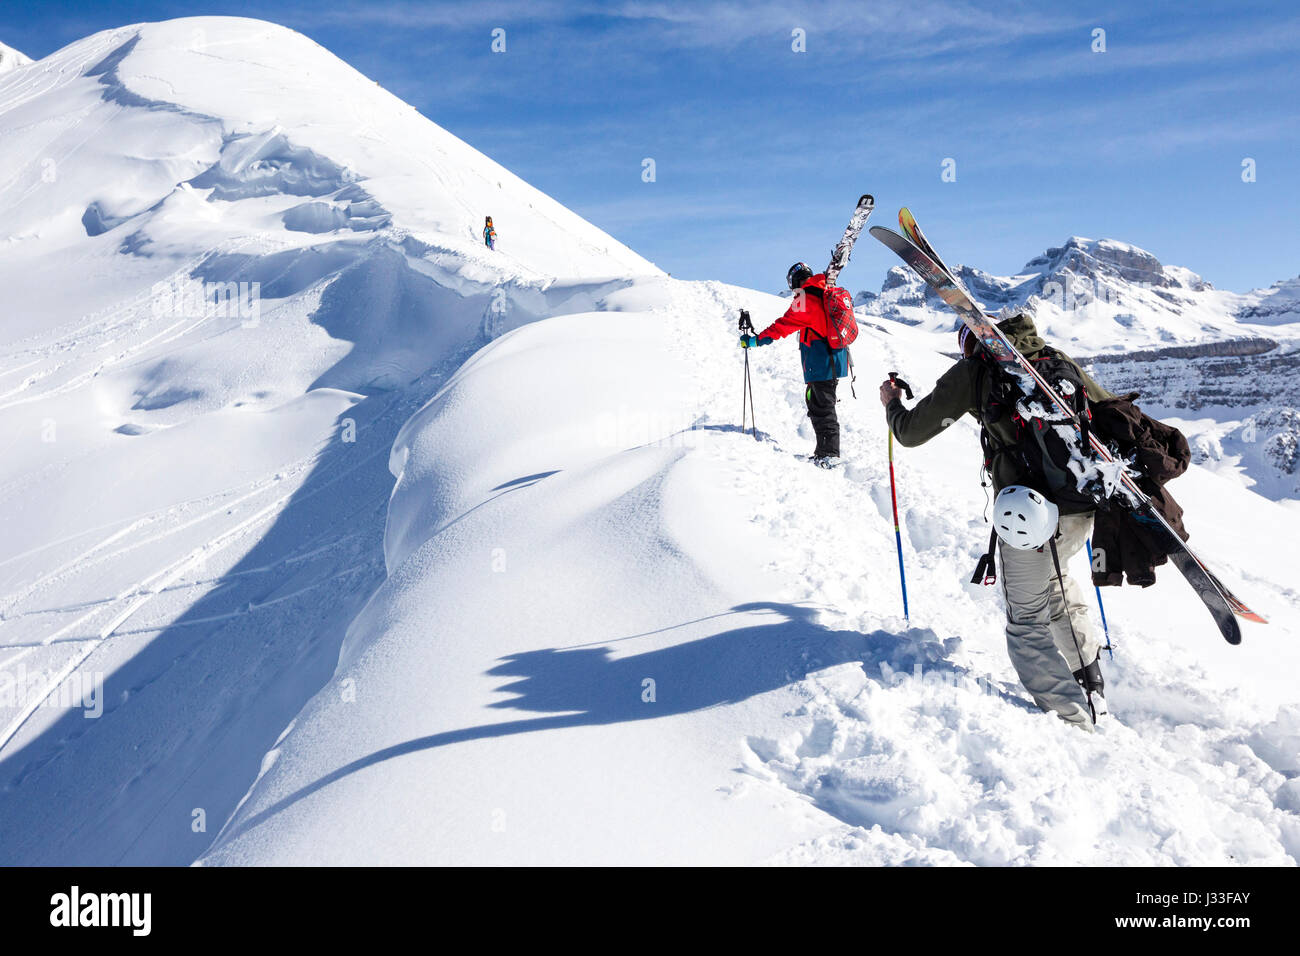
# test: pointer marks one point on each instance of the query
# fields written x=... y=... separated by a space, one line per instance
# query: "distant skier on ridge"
x=1041 y=638
x=489 y=234
x=823 y=366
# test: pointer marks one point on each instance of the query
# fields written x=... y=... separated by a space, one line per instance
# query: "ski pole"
x=893 y=497
x=746 y=401
x=1109 y=649
x=898 y=535
x=749 y=385
x=747 y=328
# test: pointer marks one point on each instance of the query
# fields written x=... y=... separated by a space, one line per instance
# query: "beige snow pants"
x=1038 y=633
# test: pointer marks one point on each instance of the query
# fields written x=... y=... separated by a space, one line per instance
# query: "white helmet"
x=1023 y=518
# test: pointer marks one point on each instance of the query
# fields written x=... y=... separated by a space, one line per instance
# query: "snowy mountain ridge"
x=1223 y=366
x=1279 y=304
x=447 y=555
x=271 y=276
x=11 y=59
x=1102 y=296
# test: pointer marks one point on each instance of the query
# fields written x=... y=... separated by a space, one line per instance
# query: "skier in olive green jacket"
x=1038 y=631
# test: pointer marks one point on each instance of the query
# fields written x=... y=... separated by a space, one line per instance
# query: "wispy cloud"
x=837 y=24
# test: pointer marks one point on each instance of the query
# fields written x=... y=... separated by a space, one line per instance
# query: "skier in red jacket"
x=823 y=366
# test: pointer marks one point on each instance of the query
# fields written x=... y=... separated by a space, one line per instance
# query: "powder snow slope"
x=233 y=266
x=623 y=631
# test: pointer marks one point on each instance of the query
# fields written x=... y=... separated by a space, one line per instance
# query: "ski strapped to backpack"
x=1048 y=451
x=1052 y=446
x=841 y=324
x=844 y=248
x=1114 y=477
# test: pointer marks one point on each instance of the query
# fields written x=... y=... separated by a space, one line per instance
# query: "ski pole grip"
x=907 y=389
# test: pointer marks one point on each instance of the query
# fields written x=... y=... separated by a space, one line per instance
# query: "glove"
x=748 y=341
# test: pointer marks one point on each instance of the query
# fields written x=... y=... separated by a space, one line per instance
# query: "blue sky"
x=761 y=152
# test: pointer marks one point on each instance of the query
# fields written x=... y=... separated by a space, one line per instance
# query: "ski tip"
x=892 y=239
x=867 y=200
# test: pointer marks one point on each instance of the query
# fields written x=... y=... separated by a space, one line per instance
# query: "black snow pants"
x=820 y=397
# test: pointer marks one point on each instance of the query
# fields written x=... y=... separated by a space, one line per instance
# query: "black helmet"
x=799 y=274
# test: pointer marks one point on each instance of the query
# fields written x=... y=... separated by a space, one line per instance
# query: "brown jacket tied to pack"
x=966 y=389
x=1122 y=545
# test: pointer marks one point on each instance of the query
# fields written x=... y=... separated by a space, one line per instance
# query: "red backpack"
x=841 y=326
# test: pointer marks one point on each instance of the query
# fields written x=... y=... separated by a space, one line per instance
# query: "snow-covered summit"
x=1228 y=361
x=1279 y=304
x=11 y=59
x=1108 y=258
x=229 y=109
x=1098 y=296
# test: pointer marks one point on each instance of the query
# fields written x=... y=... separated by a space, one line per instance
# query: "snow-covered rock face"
x=1241 y=412
x=1099 y=259
x=1098 y=296
x=1277 y=305
x=1223 y=364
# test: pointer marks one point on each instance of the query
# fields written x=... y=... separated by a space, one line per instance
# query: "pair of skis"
x=914 y=249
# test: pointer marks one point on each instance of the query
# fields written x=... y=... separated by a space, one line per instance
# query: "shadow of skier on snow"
x=775 y=646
